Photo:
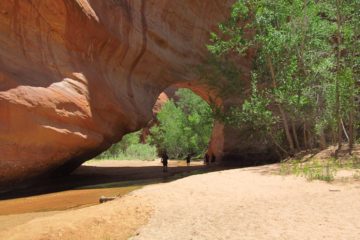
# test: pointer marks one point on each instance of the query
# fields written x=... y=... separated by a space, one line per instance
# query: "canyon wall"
x=75 y=75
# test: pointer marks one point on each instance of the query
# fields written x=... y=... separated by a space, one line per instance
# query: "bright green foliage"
x=128 y=140
x=307 y=60
x=221 y=76
x=254 y=113
x=169 y=133
x=129 y=148
x=184 y=126
x=139 y=151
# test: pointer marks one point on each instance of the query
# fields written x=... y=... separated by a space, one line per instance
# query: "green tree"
x=184 y=126
x=347 y=18
x=306 y=76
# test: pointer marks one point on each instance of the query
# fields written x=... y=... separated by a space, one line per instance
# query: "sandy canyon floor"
x=248 y=203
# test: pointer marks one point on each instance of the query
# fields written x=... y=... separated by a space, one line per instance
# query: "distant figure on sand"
x=188 y=159
x=206 y=159
x=213 y=158
x=164 y=161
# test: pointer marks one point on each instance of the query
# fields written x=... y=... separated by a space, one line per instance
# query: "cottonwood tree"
x=305 y=65
x=184 y=125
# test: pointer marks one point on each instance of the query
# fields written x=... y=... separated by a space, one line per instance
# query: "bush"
x=129 y=148
x=141 y=152
x=312 y=170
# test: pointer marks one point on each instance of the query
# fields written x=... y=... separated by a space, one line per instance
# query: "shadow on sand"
x=94 y=177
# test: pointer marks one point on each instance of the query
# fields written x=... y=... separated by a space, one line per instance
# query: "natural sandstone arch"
x=231 y=145
x=216 y=144
x=77 y=74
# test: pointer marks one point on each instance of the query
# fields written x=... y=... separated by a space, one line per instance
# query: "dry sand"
x=249 y=203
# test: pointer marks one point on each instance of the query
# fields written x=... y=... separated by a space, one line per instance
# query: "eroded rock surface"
x=75 y=75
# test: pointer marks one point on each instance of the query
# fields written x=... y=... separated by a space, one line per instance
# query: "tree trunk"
x=322 y=140
x=287 y=130
x=345 y=132
x=295 y=135
x=281 y=110
x=333 y=136
x=276 y=144
x=351 y=126
x=337 y=84
x=311 y=139
x=306 y=145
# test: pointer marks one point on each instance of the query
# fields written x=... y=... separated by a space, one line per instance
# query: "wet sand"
x=111 y=178
x=102 y=172
x=117 y=219
x=18 y=211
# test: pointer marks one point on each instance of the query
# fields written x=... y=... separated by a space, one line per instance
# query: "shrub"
x=129 y=148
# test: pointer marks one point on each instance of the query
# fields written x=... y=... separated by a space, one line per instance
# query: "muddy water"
x=18 y=211
x=60 y=200
x=115 y=178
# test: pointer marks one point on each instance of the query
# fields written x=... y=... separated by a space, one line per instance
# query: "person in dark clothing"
x=188 y=159
x=164 y=161
x=213 y=158
x=206 y=159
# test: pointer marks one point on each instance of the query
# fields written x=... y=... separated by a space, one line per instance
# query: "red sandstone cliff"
x=77 y=74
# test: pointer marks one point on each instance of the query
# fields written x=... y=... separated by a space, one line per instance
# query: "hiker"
x=213 y=158
x=206 y=159
x=164 y=161
x=188 y=159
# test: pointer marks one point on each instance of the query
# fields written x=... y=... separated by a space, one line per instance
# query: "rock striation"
x=75 y=75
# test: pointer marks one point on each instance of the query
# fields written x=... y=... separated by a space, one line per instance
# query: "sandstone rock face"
x=75 y=75
x=161 y=100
